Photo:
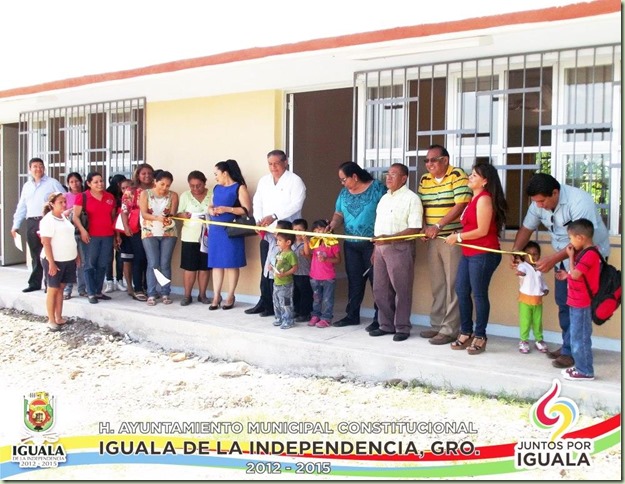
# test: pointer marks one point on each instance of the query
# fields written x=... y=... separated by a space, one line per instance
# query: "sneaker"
x=121 y=285
x=541 y=346
x=313 y=321
x=524 y=347
x=323 y=324
x=277 y=322
x=574 y=375
x=109 y=286
x=286 y=325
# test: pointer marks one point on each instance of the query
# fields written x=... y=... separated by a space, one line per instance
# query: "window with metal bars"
x=106 y=137
x=555 y=112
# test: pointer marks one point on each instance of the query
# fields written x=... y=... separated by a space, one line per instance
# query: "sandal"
x=151 y=301
x=478 y=346
x=139 y=296
x=460 y=343
x=166 y=300
x=67 y=296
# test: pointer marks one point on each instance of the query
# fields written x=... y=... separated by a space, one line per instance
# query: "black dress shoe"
x=401 y=336
x=380 y=332
x=225 y=307
x=259 y=308
x=266 y=314
x=31 y=289
x=345 y=322
x=373 y=326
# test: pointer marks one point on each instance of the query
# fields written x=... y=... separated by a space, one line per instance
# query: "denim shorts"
x=65 y=275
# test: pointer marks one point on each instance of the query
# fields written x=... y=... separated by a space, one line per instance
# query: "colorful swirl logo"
x=554 y=413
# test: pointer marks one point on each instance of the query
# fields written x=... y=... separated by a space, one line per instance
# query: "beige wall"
x=504 y=291
x=195 y=134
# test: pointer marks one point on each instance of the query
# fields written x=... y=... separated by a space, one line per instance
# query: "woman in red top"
x=482 y=221
x=97 y=238
x=135 y=268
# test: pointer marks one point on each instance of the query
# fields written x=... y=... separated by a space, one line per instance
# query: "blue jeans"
x=357 y=261
x=80 y=271
x=581 y=344
x=159 y=251
x=139 y=264
x=98 y=255
x=564 y=317
x=283 y=303
x=474 y=275
x=323 y=298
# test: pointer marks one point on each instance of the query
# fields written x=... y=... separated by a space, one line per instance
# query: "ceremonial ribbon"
x=334 y=237
x=496 y=251
x=328 y=241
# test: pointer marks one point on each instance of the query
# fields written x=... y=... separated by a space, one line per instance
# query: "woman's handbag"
x=245 y=221
x=84 y=219
x=133 y=220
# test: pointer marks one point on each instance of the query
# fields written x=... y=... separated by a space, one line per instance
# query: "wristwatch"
x=438 y=226
x=458 y=238
x=274 y=216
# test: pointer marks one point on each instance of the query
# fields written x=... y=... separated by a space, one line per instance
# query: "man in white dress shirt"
x=34 y=196
x=279 y=195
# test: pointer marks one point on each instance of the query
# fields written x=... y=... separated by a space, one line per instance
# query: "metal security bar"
x=106 y=137
x=555 y=112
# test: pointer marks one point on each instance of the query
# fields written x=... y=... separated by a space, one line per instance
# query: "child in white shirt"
x=531 y=292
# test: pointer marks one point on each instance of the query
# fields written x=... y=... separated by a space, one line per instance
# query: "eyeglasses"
x=343 y=180
x=392 y=175
x=553 y=223
x=433 y=160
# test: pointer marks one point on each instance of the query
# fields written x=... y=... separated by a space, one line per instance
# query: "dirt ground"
x=99 y=376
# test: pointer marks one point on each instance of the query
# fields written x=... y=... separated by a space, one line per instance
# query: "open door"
x=320 y=139
x=9 y=194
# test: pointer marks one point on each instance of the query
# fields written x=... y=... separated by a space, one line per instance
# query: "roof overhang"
x=331 y=62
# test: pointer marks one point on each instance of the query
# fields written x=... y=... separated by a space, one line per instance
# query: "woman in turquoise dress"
x=225 y=255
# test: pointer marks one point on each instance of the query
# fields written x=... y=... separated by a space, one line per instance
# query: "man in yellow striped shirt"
x=444 y=194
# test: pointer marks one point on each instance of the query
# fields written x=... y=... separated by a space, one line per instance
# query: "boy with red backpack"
x=585 y=268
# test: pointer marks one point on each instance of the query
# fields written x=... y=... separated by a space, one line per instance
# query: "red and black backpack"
x=608 y=297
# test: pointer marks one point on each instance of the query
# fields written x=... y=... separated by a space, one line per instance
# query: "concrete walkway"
x=332 y=352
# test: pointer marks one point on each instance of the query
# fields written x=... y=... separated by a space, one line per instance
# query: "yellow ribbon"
x=274 y=230
x=329 y=241
x=334 y=237
x=496 y=251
